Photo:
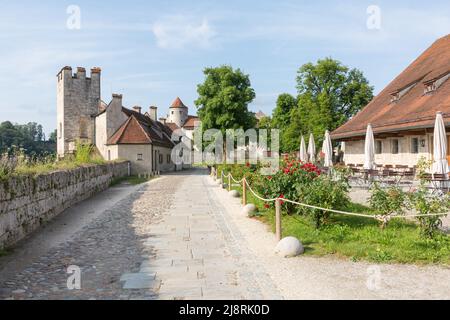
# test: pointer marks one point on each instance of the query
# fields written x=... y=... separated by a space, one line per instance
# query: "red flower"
x=281 y=197
x=269 y=178
x=266 y=205
x=247 y=164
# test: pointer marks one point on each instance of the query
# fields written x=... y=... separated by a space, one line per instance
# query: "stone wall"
x=28 y=201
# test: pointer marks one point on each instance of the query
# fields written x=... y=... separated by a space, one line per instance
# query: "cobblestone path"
x=170 y=239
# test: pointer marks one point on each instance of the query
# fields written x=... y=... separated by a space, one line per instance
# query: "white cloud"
x=175 y=32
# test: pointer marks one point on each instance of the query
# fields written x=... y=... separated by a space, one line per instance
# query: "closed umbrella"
x=303 y=154
x=311 y=149
x=369 y=149
x=327 y=150
x=440 y=164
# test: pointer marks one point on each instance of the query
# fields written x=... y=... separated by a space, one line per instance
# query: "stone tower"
x=78 y=100
x=178 y=113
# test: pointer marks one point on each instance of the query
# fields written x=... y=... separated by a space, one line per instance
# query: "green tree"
x=337 y=91
x=282 y=117
x=223 y=99
x=329 y=94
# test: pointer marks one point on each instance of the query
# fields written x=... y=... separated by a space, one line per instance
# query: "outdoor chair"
x=438 y=183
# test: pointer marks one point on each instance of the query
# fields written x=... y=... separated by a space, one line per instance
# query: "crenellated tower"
x=78 y=100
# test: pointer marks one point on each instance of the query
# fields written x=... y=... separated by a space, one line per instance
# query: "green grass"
x=359 y=238
x=133 y=180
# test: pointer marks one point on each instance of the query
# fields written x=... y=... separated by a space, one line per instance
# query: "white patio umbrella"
x=327 y=149
x=311 y=149
x=369 y=149
x=303 y=155
x=440 y=164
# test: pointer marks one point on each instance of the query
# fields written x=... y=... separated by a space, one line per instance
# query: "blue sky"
x=153 y=51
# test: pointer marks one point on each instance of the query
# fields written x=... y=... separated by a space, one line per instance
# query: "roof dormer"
x=398 y=94
x=434 y=84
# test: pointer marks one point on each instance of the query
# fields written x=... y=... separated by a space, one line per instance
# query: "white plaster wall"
x=130 y=152
x=354 y=151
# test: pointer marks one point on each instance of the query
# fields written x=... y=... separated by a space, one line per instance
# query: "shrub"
x=387 y=201
x=8 y=165
x=323 y=192
x=428 y=204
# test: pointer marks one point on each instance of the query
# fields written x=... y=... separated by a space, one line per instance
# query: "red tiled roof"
x=131 y=132
x=177 y=103
x=414 y=109
x=172 y=126
x=140 y=129
x=190 y=122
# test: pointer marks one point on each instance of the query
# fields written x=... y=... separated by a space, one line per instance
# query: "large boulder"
x=234 y=193
x=289 y=247
x=249 y=209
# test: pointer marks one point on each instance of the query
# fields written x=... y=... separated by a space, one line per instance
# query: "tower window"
x=139 y=157
x=160 y=158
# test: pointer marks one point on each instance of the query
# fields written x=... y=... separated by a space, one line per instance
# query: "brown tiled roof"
x=414 y=109
x=177 y=103
x=140 y=129
x=190 y=122
x=131 y=132
x=172 y=126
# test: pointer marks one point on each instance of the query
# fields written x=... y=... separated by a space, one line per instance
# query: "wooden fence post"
x=229 y=182
x=278 y=219
x=244 y=191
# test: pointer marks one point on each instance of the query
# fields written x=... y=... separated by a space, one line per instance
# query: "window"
x=415 y=145
x=378 y=147
x=60 y=130
x=394 y=145
x=168 y=158
x=160 y=158
x=172 y=111
x=109 y=155
x=139 y=157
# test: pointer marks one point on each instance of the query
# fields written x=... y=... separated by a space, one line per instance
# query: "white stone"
x=289 y=247
x=234 y=193
x=249 y=209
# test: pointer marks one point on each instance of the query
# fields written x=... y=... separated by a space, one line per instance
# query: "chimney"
x=81 y=73
x=117 y=98
x=153 y=112
x=162 y=120
x=137 y=109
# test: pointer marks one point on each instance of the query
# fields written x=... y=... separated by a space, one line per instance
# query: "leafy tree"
x=52 y=137
x=329 y=94
x=223 y=99
x=282 y=117
x=337 y=92
x=28 y=136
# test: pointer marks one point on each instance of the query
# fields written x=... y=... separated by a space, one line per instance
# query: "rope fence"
x=245 y=185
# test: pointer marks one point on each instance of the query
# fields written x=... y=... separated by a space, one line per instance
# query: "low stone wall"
x=28 y=201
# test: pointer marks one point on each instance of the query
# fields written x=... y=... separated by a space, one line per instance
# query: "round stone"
x=234 y=193
x=289 y=247
x=249 y=209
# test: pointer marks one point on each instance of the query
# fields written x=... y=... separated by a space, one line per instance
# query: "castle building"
x=116 y=131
